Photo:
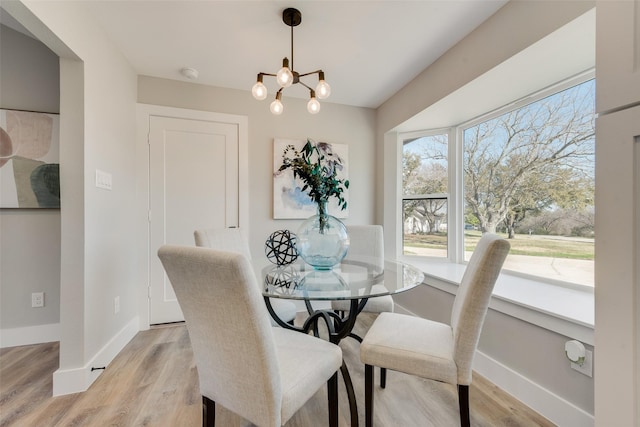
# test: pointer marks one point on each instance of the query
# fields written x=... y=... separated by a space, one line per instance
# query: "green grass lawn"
x=522 y=244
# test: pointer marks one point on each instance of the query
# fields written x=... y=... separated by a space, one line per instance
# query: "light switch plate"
x=103 y=179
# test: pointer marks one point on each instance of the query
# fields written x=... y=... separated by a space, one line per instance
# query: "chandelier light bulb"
x=276 y=106
x=259 y=91
x=323 y=90
x=284 y=76
x=313 y=106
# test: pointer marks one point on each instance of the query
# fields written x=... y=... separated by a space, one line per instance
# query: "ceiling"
x=367 y=49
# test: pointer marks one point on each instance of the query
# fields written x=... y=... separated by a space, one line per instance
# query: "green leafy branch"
x=317 y=166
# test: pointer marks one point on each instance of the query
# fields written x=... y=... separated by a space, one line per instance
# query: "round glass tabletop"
x=349 y=280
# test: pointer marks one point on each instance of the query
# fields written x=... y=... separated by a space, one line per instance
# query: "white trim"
x=546 y=403
x=67 y=381
x=28 y=335
x=143 y=113
x=392 y=189
x=539 y=303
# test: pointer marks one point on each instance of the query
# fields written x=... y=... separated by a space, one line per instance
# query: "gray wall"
x=29 y=238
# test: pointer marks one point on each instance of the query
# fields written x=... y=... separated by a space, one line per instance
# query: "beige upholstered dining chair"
x=367 y=244
x=434 y=350
x=232 y=240
x=262 y=373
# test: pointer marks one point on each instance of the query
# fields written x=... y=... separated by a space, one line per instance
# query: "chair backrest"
x=228 y=325
x=472 y=300
x=223 y=239
x=366 y=241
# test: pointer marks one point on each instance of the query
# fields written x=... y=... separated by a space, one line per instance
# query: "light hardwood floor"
x=153 y=382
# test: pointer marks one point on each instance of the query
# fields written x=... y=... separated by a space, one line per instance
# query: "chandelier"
x=287 y=76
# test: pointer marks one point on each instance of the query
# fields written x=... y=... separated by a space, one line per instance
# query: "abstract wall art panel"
x=29 y=159
x=289 y=200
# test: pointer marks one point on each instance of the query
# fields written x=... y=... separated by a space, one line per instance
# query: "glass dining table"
x=354 y=280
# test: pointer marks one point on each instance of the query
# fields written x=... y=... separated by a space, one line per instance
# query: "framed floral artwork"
x=290 y=197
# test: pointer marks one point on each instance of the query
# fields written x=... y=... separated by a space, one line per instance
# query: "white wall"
x=335 y=123
x=98 y=259
x=29 y=238
x=534 y=355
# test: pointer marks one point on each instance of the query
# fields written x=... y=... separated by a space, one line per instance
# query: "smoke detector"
x=190 y=73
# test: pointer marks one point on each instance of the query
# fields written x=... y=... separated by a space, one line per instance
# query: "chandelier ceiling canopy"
x=287 y=75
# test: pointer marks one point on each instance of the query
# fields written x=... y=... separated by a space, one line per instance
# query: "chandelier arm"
x=309 y=73
x=302 y=83
x=269 y=74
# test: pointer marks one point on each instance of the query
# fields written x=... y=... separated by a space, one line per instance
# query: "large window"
x=527 y=173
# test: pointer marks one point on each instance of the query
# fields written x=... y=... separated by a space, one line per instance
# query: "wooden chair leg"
x=332 y=394
x=368 y=395
x=463 y=399
x=383 y=377
x=208 y=412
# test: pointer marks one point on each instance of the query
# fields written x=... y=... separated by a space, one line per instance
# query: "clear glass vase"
x=322 y=240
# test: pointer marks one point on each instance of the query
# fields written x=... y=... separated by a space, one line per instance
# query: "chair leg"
x=463 y=399
x=368 y=395
x=383 y=377
x=332 y=394
x=208 y=412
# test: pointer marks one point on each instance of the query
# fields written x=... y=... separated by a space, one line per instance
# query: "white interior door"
x=193 y=178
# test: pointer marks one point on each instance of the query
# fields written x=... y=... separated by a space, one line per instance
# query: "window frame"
x=455 y=229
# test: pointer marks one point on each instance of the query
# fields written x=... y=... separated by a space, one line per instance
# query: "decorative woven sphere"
x=280 y=247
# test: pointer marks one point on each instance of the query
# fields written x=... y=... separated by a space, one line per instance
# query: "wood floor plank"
x=153 y=382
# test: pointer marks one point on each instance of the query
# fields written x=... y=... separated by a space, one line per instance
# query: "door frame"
x=143 y=114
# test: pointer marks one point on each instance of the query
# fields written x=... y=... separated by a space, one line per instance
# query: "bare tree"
x=421 y=178
x=530 y=159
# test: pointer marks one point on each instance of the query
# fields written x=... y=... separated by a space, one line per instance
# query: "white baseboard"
x=549 y=405
x=75 y=380
x=29 y=335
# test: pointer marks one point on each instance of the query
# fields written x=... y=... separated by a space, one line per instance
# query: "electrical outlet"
x=116 y=305
x=37 y=299
x=587 y=367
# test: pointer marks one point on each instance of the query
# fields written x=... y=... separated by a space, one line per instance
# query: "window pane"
x=529 y=174
x=425 y=227
x=425 y=184
x=424 y=165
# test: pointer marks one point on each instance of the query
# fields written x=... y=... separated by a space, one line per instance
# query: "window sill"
x=565 y=310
